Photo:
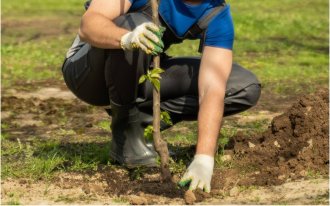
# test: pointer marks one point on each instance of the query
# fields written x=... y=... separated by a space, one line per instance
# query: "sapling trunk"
x=160 y=144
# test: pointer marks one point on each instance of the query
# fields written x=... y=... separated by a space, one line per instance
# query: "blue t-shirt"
x=180 y=16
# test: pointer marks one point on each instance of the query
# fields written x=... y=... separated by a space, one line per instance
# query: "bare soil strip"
x=94 y=191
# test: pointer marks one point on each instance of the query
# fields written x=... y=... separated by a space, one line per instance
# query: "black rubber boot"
x=128 y=145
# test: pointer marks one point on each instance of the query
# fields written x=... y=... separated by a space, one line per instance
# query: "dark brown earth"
x=295 y=145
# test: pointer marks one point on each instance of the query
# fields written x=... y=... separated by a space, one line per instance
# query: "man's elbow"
x=82 y=34
x=215 y=91
x=83 y=29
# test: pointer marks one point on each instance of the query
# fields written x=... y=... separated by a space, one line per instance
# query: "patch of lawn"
x=35 y=37
x=38 y=8
x=41 y=159
x=105 y=125
x=30 y=61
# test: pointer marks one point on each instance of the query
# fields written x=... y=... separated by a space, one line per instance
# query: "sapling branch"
x=154 y=77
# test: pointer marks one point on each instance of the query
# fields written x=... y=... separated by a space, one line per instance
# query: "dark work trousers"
x=98 y=76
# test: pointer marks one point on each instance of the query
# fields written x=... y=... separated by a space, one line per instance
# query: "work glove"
x=199 y=173
x=147 y=36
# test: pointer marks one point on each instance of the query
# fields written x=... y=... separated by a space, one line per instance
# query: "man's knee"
x=253 y=93
x=243 y=100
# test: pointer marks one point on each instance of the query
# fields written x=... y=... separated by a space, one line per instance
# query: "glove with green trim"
x=147 y=36
x=199 y=173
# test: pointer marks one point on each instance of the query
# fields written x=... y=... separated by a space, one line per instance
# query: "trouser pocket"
x=79 y=66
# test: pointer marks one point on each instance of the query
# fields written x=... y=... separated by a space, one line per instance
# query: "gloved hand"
x=146 y=36
x=199 y=173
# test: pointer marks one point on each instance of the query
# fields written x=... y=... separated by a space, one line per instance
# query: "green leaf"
x=165 y=116
x=148 y=132
x=155 y=76
x=157 y=71
x=223 y=141
x=142 y=79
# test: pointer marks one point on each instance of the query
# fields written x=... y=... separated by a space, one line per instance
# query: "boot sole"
x=130 y=164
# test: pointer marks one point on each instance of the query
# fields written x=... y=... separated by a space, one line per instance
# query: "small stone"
x=310 y=143
x=176 y=178
x=281 y=177
x=96 y=188
x=22 y=181
x=303 y=173
x=89 y=125
x=251 y=145
x=86 y=189
x=281 y=159
x=277 y=144
x=189 y=197
x=225 y=158
x=257 y=172
x=136 y=200
x=234 y=192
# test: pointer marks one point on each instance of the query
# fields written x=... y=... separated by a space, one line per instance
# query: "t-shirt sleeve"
x=137 y=4
x=220 y=32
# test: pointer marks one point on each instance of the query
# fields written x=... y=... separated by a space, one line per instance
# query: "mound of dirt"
x=295 y=145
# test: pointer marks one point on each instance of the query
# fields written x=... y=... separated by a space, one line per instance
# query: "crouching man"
x=114 y=48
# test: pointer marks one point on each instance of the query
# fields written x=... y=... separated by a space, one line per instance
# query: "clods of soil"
x=295 y=145
x=189 y=197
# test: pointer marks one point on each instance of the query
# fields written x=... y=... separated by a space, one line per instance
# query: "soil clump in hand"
x=195 y=196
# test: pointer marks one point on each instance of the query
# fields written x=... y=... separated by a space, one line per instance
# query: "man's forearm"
x=100 y=31
x=209 y=121
x=214 y=72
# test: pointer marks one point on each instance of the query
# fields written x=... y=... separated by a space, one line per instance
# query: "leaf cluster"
x=153 y=76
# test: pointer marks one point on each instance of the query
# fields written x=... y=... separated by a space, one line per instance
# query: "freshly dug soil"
x=295 y=145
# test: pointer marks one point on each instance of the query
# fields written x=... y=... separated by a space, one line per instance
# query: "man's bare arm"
x=97 y=27
x=214 y=71
x=213 y=74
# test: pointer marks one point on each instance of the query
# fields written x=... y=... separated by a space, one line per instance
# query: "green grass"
x=18 y=9
x=41 y=159
x=35 y=37
x=104 y=124
x=287 y=49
